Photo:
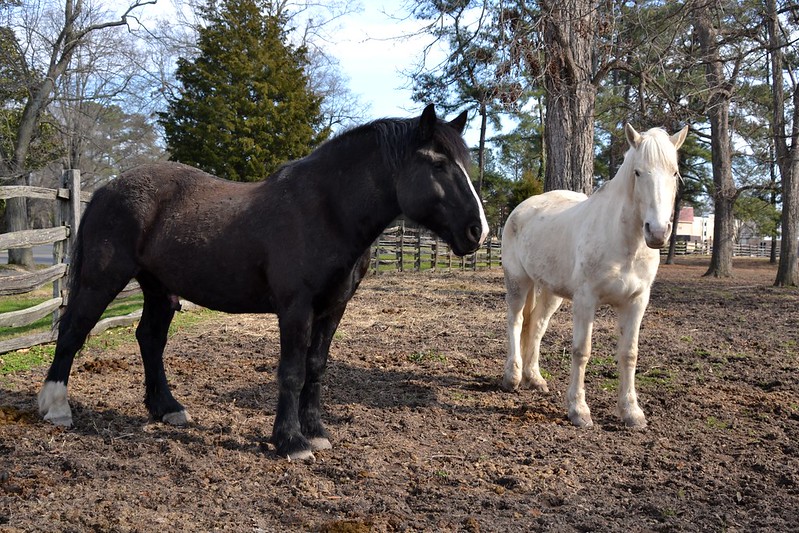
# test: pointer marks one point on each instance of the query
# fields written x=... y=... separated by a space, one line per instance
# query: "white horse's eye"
x=637 y=174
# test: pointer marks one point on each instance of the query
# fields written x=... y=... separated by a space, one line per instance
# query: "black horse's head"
x=434 y=188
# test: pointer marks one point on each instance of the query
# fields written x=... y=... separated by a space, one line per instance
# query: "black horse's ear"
x=459 y=122
x=427 y=122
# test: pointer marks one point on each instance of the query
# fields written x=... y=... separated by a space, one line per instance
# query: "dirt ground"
x=424 y=439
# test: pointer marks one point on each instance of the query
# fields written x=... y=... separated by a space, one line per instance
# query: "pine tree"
x=246 y=106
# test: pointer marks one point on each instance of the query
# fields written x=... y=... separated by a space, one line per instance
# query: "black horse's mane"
x=397 y=138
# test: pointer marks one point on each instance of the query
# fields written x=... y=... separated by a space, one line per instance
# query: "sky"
x=373 y=56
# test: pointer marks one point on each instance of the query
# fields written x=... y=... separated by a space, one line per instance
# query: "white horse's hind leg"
x=516 y=298
x=630 y=317
x=538 y=311
x=579 y=413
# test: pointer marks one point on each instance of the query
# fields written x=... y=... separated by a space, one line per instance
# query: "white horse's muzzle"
x=656 y=236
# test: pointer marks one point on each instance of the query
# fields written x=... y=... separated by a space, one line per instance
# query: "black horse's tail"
x=74 y=266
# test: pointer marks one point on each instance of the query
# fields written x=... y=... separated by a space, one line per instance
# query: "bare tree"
x=70 y=33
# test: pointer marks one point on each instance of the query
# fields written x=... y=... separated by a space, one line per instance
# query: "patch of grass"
x=714 y=423
x=108 y=340
x=610 y=385
x=656 y=377
x=701 y=352
x=25 y=359
x=119 y=307
x=427 y=355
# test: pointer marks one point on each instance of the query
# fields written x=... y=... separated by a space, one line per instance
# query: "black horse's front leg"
x=295 y=337
x=316 y=363
x=324 y=327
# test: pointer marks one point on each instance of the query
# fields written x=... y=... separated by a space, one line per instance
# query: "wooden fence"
x=68 y=198
x=404 y=249
x=706 y=248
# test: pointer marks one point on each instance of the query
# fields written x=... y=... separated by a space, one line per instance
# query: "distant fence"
x=411 y=249
x=68 y=198
x=705 y=248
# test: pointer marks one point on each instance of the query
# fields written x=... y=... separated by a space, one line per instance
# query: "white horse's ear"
x=678 y=138
x=633 y=137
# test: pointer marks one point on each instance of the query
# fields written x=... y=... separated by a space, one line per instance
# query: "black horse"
x=296 y=244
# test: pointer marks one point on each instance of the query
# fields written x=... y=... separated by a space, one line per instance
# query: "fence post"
x=417 y=261
x=401 y=253
x=67 y=214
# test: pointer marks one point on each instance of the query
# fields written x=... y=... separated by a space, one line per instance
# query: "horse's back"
x=538 y=213
x=540 y=237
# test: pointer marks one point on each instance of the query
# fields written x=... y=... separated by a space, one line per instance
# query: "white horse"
x=597 y=250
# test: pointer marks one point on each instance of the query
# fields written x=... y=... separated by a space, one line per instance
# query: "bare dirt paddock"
x=424 y=440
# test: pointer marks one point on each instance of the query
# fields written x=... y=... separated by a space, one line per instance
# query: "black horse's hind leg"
x=84 y=310
x=157 y=314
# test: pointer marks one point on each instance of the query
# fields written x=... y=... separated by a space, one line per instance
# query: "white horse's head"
x=653 y=158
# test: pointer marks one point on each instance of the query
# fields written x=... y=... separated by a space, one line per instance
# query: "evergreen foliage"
x=246 y=106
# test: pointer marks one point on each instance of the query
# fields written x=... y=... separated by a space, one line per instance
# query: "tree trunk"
x=724 y=193
x=787 y=270
x=675 y=225
x=787 y=158
x=570 y=95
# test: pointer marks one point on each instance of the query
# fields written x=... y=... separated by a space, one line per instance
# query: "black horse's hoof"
x=294 y=448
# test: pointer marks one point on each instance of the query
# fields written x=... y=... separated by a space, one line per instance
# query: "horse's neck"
x=622 y=218
x=362 y=198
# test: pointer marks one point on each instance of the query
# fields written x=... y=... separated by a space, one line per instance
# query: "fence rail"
x=706 y=248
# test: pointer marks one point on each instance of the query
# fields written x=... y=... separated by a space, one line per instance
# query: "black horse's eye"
x=440 y=166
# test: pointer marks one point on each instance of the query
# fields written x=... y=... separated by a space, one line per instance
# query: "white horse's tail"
x=529 y=304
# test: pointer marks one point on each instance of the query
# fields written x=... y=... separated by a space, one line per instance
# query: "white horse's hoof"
x=510 y=384
x=635 y=422
x=536 y=384
x=581 y=420
x=53 y=404
x=179 y=418
x=320 y=443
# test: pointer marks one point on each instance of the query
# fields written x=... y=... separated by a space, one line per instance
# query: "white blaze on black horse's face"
x=437 y=191
x=656 y=174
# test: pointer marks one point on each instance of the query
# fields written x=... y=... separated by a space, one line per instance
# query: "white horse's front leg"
x=630 y=317
x=515 y=297
x=579 y=413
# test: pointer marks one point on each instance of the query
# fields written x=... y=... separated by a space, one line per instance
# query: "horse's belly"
x=229 y=291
